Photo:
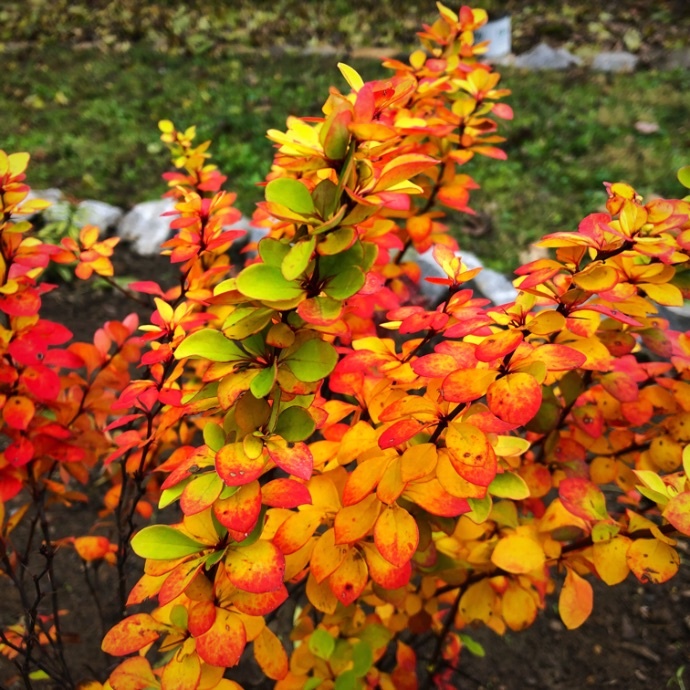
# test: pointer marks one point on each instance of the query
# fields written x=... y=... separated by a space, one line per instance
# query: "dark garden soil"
x=638 y=637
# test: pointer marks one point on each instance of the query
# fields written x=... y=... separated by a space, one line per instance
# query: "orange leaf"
x=498 y=345
x=471 y=454
x=270 y=655
x=258 y=567
x=326 y=556
x=18 y=412
x=179 y=579
x=515 y=398
x=466 y=385
x=559 y=357
x=200 y=617
x=235 y=467
x=396 y=535
x=200 y=493
x=435 y=499
x=133 y=674
x=677 y=512
x=259 y=604
x=354 y=522
x=285 y=493
x=132 y=634
x=92 y=548
x=295 y=532
x=296 y=460
x=653 y=561
x=518 y=554
x=576 y=600
x=384 y=573
x=349 y=580
x=402 y=168
x=224 y=642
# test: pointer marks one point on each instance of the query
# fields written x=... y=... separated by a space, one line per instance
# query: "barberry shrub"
x=348 y=477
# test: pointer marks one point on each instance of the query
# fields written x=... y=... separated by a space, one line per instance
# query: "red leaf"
x=296 y=460
x=240 y=511
x=400 y=432
x=583 y=498
x=285 y=493
x=41 y=381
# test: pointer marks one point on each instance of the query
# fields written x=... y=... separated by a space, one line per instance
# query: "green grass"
x=90 y=122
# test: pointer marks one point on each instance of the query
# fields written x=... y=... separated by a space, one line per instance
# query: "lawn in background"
x=89 y=120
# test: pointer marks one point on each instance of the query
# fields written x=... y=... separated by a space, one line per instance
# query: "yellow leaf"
x=518 y=607
x=518 y=554
x=477 y=603
x=610 y=559
x=651 y=560
x=351 y=76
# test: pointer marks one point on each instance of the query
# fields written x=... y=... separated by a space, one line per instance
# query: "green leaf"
x=246 y=321
x=481 y=507
x=313 y=361
x=376 y=636
x=321 y=644
x=178 y=616
x=313 y=683
x=297 y=259
x=345 y=284
x=209 y=344
x=472 y=646
x=263 y=382
x=295 y=424
x=362 y=658
x=272 y=251
x=325 y=196
x=264 y=282
x=39 y=675
x=509 y=485
x=169 y=496
x=163 y=543
x=684 y=176
x=337 y=241
x=290 y=193
x=335 y=135
x=214 y=436
x=347 y=680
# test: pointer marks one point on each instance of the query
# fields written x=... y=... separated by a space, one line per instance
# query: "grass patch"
x=89 y=121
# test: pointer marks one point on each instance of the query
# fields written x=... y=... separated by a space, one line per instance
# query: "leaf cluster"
x=398 y=469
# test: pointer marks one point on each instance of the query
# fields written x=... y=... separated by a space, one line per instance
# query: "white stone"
x=615 y=61
x=543 y=56
x=146 y=227
x=98 y=213
x=489 y=283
